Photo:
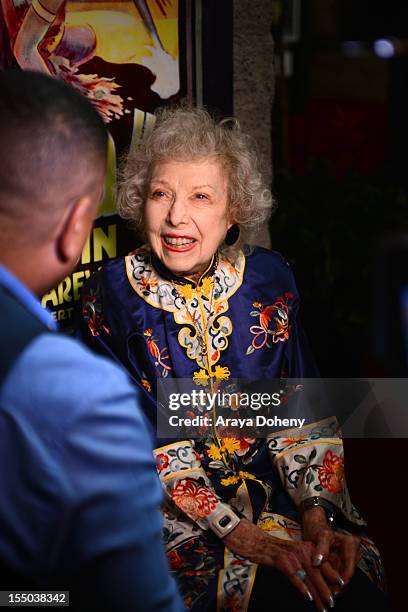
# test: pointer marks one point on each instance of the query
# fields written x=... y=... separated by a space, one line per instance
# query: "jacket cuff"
x=188 y=486
x=312 y=465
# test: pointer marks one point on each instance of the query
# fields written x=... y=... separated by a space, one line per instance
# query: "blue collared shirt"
x=78 y=488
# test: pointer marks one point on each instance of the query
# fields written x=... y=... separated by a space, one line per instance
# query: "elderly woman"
x=196 y=303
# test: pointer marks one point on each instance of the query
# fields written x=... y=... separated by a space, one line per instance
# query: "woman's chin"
x=181 y=266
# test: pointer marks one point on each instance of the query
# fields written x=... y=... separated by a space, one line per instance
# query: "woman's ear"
x=74 y=229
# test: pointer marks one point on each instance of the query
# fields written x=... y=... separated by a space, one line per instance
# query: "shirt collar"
x=183 y=280
x=14 y=286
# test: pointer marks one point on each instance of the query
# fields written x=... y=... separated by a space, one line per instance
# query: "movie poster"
x=128 y=58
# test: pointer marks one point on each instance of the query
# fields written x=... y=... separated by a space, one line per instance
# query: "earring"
x=232 y=235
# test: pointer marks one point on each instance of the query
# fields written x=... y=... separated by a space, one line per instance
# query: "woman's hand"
x=248 y=541
x=333 y=551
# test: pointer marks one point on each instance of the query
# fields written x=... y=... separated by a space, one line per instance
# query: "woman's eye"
x=201 y=196
x=158 y=194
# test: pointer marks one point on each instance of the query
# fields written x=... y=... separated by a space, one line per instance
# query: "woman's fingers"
x=350 y=555
x=330 y=570
x=322 y=546
x=289 y=564
x=317 y=583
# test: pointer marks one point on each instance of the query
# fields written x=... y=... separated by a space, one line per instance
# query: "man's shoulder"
x=59 y=373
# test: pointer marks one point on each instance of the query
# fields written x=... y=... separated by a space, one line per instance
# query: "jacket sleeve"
x=310 y=461
x=186 y=483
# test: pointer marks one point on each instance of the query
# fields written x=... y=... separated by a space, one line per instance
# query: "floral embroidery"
x=273 y=323
x=227 y=280
x=175 y=560
x=227 y=446
x=231 y=480
x=331 y=474
x=160 y=355
x=207 y=285
x=180 y=456
x=92 y=313
x=146 y=385
x=148 y=284
x=230 y=444
x=201 y=377
x=289 y=441
x=186 y=292
x=162 y=461
x=214 y=452
x=222 y=373
x=195 y=500
x=201 y=308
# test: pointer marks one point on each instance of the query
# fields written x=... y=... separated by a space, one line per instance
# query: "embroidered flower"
x=160 y=356
x=146 y=385
x=185 y=291
x=162 y=461
x=206 y=286
x=289 y=441
x=273 y=323
x=214 y=452
x=147 y=284
x=222 y=373
x=92 y=313
x=231 y=480
x=244 y=445
x=331 y=474
x=269 y=525
x=195 y=500
x=175 y=560
x=282 y=331
x=231 y=444
x=247 y=475
x=201 y=378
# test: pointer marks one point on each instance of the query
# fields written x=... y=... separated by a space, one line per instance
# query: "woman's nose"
x=178 y=212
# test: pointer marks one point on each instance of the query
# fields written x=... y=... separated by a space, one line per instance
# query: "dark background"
x=340 y=135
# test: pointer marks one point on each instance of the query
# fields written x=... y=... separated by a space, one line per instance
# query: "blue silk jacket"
x=240 y=321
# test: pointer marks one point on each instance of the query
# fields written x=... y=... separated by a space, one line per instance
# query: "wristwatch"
x=223 y=521
x=313 y=502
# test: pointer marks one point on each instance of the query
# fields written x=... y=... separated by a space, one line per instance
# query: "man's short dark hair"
x=53 y=143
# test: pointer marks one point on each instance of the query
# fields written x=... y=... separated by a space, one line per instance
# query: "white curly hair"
x=184 y=133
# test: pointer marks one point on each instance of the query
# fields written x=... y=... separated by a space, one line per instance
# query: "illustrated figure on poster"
x=48 y=37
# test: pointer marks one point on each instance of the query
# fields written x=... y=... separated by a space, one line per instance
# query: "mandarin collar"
x=184 y=280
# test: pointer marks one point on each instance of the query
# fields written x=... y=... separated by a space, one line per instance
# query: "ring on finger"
x=300 y=573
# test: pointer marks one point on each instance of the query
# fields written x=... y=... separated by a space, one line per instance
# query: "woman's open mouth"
x=178 y=244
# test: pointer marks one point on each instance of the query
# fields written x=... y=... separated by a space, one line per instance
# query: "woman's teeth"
x=178 y=241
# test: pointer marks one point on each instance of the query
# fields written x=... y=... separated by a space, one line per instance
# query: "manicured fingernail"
x=340 y=581
x=331 y=602
x=309 y=595
x=317 y=560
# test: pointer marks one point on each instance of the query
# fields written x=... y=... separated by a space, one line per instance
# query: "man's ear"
x=74 y=229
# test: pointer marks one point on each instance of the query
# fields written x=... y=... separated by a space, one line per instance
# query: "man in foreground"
x=79 y=506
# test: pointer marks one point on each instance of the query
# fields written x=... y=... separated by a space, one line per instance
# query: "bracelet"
x=42 y=12
x=223 y=522
x=313 y=502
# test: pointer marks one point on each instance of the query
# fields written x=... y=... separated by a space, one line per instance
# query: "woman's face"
x=186 y=213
